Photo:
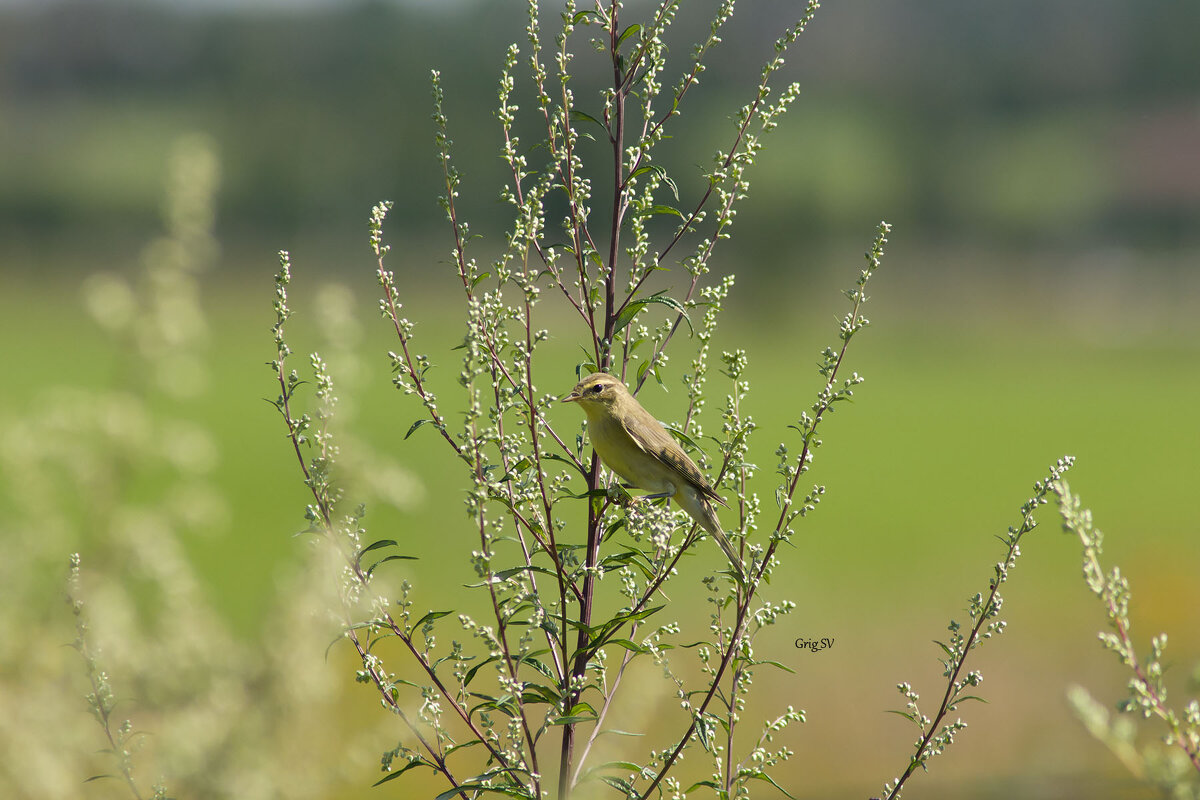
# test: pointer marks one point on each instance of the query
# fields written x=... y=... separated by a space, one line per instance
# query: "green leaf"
x=907 y=715
x=614 y=623
x=390 y=558
x=505 y=574
x=373 y=546
x=523 y=464
x=598 y=635
x=622 y=786
x=628 y=644
x=471 y=672
x=698 y=784
x=663 y=176
x=630 y=31
x=538 y=693
x=462 y=746
x=576 y=114
x=397 y=773
x=582 y=708
x=341 y=637
x=529 y=659
x=616 y=732
x=376 y=546
x=642 y=370
x=705 y=732
x=430 y=617
x=629 y=558
x=505 y=704
x=418 y=424
x=627 y=766
x=563 y=459
x=612 y=531
x=762 y=776
x=592 y=493
x=549 y=627
x=633 y=307
x=462 y=788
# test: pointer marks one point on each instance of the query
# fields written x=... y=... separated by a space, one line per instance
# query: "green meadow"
x=965 y=404
x=1039 y=297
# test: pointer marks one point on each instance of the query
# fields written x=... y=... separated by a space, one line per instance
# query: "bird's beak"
x=570 y=398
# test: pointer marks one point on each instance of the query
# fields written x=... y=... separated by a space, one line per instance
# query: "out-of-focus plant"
x=125 y=476
x=1174 y=765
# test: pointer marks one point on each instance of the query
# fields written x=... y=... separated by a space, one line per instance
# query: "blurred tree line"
x=1008 y=123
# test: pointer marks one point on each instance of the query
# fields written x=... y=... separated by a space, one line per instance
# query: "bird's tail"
x=712 y=525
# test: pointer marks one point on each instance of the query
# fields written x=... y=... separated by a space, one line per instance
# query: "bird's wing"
x=654 y=439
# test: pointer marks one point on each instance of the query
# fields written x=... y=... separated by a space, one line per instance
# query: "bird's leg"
x=619 y=494
x=659 y=496
x=633 y=500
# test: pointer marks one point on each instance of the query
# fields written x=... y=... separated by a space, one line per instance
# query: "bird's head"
x=597 y=390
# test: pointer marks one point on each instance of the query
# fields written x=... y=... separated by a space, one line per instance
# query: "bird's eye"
x=596 y=389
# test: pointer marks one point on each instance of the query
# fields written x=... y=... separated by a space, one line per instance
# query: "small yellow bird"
x=633 y=444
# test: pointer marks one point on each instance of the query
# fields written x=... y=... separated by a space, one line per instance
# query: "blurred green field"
x=1039 y=297
x=959 y=414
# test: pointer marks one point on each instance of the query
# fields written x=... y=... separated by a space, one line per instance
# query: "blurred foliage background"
x=1041 y=295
